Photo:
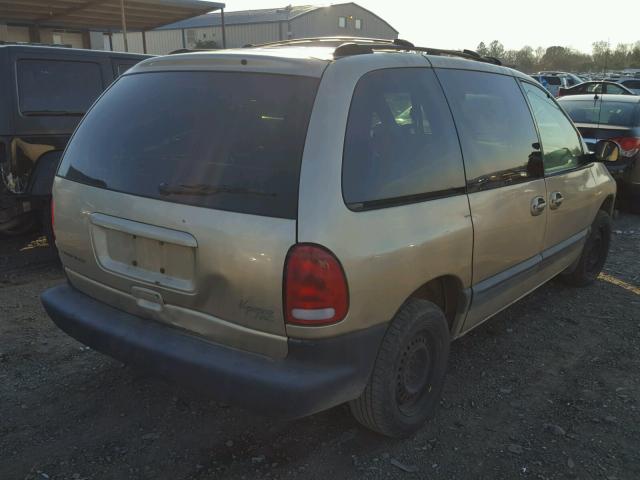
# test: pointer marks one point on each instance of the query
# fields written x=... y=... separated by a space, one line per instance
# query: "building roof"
x=102 y=14
x=265 y=15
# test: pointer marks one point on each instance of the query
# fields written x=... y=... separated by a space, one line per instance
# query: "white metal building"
x=258 y=26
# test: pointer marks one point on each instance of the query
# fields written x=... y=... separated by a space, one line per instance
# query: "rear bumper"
x=315 y=375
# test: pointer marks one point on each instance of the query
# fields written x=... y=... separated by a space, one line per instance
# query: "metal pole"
x=224 y=33
x=124 y=26
x=144 y=41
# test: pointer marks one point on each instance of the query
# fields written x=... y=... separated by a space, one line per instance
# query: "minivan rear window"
x=222 y=140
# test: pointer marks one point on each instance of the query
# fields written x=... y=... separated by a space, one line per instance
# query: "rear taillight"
x=629 y=146
x=315 y=287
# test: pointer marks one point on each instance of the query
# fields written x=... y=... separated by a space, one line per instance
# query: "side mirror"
x=607 y=151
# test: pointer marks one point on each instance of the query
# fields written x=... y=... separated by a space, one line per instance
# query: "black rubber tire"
x=420 y=323
x=594 y=253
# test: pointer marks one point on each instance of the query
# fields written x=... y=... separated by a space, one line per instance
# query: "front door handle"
x=537 y=205
x=555 y=200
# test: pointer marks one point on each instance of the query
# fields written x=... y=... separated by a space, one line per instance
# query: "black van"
x=45 y=93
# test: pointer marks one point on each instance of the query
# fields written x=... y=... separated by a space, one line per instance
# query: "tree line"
x=602 y=57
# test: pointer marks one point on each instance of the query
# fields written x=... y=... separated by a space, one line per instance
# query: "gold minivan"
x=298 y=225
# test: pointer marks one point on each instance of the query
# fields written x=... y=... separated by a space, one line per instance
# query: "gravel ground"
x=548 y=389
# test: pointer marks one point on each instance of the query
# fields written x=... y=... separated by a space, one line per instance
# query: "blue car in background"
x=551 y=82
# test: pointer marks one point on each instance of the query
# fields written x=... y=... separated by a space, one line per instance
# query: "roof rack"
x=317 y=42
x=191 y=50
x=348 y=46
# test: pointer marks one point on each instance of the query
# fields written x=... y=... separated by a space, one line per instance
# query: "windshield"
x=622 y=114
x=231 y=141
x=573 y=79
x=552 y=80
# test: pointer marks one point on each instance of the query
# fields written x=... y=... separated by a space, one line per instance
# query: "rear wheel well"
x=443 y=291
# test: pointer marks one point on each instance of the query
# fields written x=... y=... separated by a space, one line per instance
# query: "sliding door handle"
x=537 y=205
x=555 y=200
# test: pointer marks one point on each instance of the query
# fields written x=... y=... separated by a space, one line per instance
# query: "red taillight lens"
x=629 y=146
x=315 y=287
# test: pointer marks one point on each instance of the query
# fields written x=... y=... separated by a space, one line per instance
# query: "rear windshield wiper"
x=204 y=189
x=52 y=113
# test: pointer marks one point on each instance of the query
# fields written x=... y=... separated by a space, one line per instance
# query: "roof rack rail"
x=473 y=53
x=191 y=50
x=354 y=48
x=403 y=43
x=318 y=42
x=348 y=46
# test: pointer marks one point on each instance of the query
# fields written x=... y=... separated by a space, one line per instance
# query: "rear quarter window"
x=400 y=142
x=55 y=87
x=222 y=140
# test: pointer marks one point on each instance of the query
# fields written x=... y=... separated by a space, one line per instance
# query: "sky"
x=461 y=24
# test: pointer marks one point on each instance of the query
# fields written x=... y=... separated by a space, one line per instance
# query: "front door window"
x=561 y=145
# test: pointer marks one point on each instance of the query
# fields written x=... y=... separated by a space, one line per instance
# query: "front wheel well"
x=445 y=292
x=608 y=204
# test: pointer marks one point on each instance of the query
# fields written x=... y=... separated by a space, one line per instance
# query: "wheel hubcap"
x=414 y=373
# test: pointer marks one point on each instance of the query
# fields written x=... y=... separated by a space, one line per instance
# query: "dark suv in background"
x=45 y=93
